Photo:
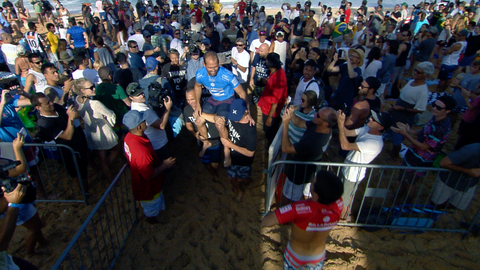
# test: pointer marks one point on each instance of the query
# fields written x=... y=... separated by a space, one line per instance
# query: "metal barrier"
x=101 y=238
x=55 y=172
x=394 y=197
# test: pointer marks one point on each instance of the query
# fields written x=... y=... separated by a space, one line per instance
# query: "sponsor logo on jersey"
x=285 y=209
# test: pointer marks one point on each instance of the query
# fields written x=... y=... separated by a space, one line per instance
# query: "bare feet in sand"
x=206 y=144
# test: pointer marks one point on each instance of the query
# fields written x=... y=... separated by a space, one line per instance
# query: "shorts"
x=323 y=43
x=338 y=39
x=218 y=107
x=294 y=261
x=25 y=212
x=459 y=199
x=467 y=60
x=295 y=192
x=446 y=72
x=212 y=155
x=398 y=73
x=153 y=207
x=239 y=172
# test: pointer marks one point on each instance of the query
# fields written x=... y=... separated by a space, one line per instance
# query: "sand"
x=207 y=229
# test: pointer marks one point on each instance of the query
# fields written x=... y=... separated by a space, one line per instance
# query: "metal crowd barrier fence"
x=55 y=171
x=394 y=197
x=100 y=240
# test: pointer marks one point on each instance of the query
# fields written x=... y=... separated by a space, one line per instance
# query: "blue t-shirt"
x=221 y=86
x=11 y=123
x=135 y=60
x=77 y=35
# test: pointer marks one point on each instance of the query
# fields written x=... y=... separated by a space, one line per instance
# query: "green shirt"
x=112 y=95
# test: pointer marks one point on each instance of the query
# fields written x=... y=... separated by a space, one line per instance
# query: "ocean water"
x=75 y=6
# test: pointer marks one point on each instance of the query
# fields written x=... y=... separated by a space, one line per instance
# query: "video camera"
x=156 y=94
x=8 y=80
x=10 y=183
x=190 y=39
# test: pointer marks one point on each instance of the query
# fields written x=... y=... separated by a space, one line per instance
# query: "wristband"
x=16 y=205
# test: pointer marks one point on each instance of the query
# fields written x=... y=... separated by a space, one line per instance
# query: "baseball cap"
x=285 y=20
x=373 y=82
x=279 y=33
x=263 y=33
x=329 y=14
x=383 y=118
x=237 y=109
x=216 y=18
x=134 y=89
x=133 y=119
x=206 y=41
x=151 y=63
x=137 y=27
x=464 y=32
x=146 y=33
x=477 y=3
x=426 y=67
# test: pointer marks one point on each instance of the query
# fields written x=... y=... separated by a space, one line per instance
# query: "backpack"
x=321 y=91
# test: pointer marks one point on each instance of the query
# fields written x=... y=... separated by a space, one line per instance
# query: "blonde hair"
x=78 y=86
x=97 y=64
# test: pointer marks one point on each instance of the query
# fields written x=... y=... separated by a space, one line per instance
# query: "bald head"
x=6 y=38
x=263 y=50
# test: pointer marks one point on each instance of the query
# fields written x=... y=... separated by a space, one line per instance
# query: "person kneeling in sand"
x=312 y=222
x=146 y=169
x=239 y=143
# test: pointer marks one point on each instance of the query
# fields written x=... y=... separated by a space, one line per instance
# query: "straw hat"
x=64 y=56
x=360 y=53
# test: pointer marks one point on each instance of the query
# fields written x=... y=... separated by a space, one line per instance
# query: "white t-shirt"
x=369 y=147
x=417 y=95
x=243 y=59
x=99 y=6
x=302 y=87
x=196 y=28
x=90 y=74
x=177 y=44
x=256 y=44
x=139 y=39
x=357 y=35
x=295 y=14
x=372 y=69
x=286 y=12
x=10 y=54
x=158 y=137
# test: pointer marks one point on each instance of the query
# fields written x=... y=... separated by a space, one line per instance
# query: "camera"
x=190 y=39
x=156 y=94
x=10 y=183
x=8 y=80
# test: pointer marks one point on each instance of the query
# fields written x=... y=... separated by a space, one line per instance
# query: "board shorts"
x=218 y=107
x=294 y=261
x=212 y=155
x=446 y=72
x=239 y=172
x=443 y=193
x=153 y=207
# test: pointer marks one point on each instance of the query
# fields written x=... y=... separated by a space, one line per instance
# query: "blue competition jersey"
x=221 y=86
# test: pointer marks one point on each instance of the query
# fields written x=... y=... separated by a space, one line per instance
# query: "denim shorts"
x=153 y=207
x=25 y=212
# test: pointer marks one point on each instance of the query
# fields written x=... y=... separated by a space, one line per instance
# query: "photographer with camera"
x=16 y=206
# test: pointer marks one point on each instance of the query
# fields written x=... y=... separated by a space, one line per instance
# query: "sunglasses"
x=318 y=116
x=178 y=33
x=303 y=100
x=240 y=45
x=418 y=71
x=439 y=108
x=134 y=47
x=37 y=63
x=91 y=87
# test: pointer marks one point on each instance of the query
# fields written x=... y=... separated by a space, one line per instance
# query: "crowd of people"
x=135 y=74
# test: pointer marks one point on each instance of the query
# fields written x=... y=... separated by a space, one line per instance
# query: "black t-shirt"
x=309 y=148
x=123 y=77
x=261 y=70
x=212 y=132
x=396 y=15
x=214 y=41
x=50 y=128
x=245 y=136
x=176 y=78
x=150 y=29
x=297 y=26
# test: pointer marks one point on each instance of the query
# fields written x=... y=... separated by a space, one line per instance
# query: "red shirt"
x=275 y=92
x=143 y=161
x=241 y=7
x=310 y=215
x=469 y=115
x=347 y=15
x=198 y=14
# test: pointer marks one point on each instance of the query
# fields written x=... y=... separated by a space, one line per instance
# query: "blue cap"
x=206 y=41
x=132 y=119
x=151 y=63
x=237 y=109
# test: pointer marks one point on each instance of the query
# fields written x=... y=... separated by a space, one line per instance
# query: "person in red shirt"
x=312 y=222
x=146 y=170
x=348 y=12
x=241 y=9
x=197 y=12
x=273 y=96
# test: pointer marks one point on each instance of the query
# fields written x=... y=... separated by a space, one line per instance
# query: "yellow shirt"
x=53 y=40
x=217 y=7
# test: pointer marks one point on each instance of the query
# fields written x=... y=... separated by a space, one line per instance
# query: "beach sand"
x=208 y=229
